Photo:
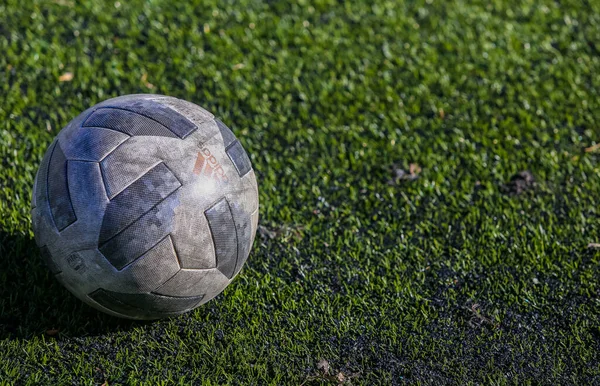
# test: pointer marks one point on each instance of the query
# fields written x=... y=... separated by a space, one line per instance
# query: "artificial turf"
x=445 y=271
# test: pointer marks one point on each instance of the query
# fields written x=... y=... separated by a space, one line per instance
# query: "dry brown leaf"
x=66 y=77
x=402 y=175
x=341 y=378
x=592 y=148
x=414 y=169
x=323 y=365
x=144 y=80
x=283 y=231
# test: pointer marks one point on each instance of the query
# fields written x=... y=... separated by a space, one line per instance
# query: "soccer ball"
x=145 y=206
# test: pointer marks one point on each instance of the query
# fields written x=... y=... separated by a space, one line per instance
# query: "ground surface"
x=446 y=271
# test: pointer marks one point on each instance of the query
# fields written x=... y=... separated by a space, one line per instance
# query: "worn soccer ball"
x=145 y=206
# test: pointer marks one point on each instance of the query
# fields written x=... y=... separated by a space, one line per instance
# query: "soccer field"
x=428 y=176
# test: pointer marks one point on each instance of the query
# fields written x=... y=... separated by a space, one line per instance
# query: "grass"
x=441 y=277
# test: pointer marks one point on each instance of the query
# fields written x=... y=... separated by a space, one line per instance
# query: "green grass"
x=442 y=279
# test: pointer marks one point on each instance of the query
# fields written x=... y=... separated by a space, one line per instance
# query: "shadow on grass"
x=33 y=302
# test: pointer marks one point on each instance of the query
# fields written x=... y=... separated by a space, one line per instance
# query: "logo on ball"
x=207 y=164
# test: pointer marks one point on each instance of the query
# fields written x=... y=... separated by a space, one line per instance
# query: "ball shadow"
x=33 y=302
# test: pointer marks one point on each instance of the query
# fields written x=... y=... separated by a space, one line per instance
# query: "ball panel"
x=222 y=227
x=89 y=203
x=142 y=276
x=127 y=122
x=152 y=269
x=191 y=235
x=47 y=257
x=138 y=155
x=244 y=193
x=226 y=134
x=240 y=159
x=144 y=305
x=254 y=226
x=169 y=118
x=90 y=143
x=117 y=306
x=194 y=282
x=196 y=114
x=82 y=271
x=204 y=120
x=41 y=181
x=58 y=190
x=120 y=169
x=137 y=199
x=33 y=192
x=143 y=234
x=243 y=229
